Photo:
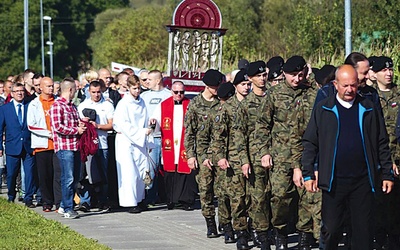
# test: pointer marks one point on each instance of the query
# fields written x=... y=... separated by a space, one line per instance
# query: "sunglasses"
x=179 y=92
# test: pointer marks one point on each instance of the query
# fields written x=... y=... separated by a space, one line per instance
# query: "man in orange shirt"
x=38 y=120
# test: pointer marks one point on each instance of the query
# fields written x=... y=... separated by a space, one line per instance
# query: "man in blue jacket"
x=18 y=144
x=348 y=134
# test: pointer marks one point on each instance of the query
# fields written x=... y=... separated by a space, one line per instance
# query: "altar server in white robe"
x=132 y=145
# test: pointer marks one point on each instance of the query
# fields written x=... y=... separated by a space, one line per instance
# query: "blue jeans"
x=155 y=154
x=70 y=168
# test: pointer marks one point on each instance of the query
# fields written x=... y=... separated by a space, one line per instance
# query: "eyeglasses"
x=179 y=92
x=18 y=91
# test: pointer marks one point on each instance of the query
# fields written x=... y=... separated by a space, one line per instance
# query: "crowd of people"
x=283 y=147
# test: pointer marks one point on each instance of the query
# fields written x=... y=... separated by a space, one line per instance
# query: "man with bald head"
x=108 y=93
x=48 y=168
x=348 y=134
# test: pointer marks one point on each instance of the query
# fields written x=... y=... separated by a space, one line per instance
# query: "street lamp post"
x=41 y=36
x=50 y=43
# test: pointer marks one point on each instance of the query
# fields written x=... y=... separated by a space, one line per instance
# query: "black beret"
x=371 y=61
x=241 y=76
x=382 y=62
x=294 y=64
x=213 y=77
x=256 y=67
x=243 y=64
x=226 y=90
x=325 y=74
x=275 y=61
x=275 y=67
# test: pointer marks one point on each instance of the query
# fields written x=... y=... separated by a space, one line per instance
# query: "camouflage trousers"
x=224 y=206
x=205 y=180
x=258 y=189
x=283 y=194
x=235 y=184
x=309 y=212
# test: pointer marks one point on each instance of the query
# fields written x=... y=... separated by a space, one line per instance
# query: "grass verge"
x=21 y=228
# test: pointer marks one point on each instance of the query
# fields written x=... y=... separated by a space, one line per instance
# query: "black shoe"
x=188 y=207
x=211 y=228
x=20 y=199
x=170 y=206
x=229 y=235
x=254 y=238
x=84 y=207
x=304 y=241
x=30 y=204
x=39 y=203
x=241 y=243
x=280 y=241
x=143 y=206
x=221 y=229
x=135 y=210
x=262 y=237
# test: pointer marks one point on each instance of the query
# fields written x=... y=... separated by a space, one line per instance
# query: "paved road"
x=156 y=229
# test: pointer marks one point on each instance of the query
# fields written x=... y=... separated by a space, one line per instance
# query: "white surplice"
x=131 y=149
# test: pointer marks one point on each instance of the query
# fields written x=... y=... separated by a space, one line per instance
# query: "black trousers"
x=357 y=194
x=180 y=188
x=49 y=173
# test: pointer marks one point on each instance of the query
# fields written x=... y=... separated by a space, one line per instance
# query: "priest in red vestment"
x=180 y=183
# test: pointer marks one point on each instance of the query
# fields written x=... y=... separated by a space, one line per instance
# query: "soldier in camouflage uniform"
x=258 y=181
x=309 y=205
x=275 y=73
x=198 y=121
x=229 y=144
x=275 y=140
x=387 y=224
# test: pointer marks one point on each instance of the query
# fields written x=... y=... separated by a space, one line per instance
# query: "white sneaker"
x=71 y=214
x=61 y=211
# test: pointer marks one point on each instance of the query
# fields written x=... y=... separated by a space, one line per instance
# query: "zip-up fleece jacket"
x=321 y=137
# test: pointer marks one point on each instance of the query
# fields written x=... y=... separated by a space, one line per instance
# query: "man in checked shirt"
x=67 y=128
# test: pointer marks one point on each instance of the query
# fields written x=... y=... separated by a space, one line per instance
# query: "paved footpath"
x=156 y=229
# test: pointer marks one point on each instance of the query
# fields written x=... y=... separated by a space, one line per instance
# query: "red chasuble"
x=167 y=135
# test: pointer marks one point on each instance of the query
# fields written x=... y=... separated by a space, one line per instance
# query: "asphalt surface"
x=156 y=229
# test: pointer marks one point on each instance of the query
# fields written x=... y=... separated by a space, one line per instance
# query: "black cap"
x=382 y=62
x=256 y=67
x=294 y=64
x=243 y=64
x=226 y=90
x=213 y=77
x=241 y=76
x=325 y=74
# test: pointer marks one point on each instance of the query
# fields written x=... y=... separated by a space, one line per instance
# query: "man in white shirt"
x=152 y=99
x=97 y=165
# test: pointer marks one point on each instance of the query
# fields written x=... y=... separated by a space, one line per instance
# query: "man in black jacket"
x=348 y=134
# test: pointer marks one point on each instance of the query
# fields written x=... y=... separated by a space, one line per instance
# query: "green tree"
x=135 y=37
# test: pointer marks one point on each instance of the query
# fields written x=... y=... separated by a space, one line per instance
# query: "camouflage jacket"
x=229 y=134
x=198 y=124
x=278 y=117
x=390 y=101
x=251 y=105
